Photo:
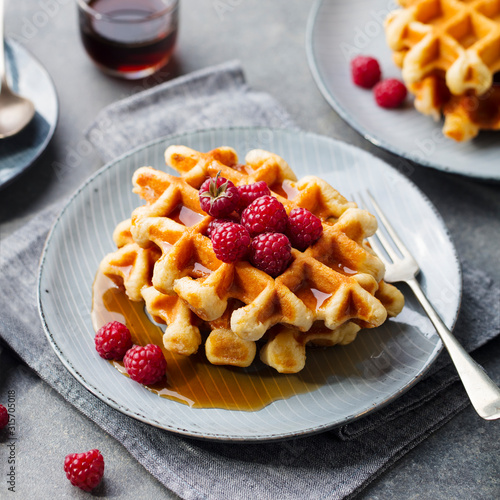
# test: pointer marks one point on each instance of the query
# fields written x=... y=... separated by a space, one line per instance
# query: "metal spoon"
x=15 y=111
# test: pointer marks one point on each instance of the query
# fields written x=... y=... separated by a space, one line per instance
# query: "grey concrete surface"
x=461 y=460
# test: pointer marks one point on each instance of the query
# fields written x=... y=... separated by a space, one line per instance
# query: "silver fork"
x=482 y=391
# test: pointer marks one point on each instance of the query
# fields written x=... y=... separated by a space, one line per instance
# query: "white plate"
x=376 y=368
x=339 y=30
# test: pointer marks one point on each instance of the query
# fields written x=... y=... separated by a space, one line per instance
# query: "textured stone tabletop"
x=461 y=460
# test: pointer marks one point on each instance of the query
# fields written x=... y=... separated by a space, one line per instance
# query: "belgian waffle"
x=464 y=115
x=449 y=51
x=326 y=295
x=132 y=267
x=455 y=38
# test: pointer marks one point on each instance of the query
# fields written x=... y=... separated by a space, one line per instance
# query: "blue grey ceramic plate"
x=338 y=31
x=379 y=366
x=29 y=79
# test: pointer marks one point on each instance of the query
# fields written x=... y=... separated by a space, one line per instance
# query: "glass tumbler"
x=129 y=38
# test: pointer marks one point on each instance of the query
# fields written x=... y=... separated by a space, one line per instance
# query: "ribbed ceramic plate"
x=380 y=365
x=28 y=78
x=337 y=32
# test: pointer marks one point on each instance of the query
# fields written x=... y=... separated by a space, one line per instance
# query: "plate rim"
x=353 y=122
x=53 y=125
x=216 y=436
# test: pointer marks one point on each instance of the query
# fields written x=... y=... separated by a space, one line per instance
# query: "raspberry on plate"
x=4 y=417
x=304 y=228
x=264 y=215
x=390 y=93
x=113 y=340
x=271 y=253
x=218 y=196
x=145 y=364
x=250 y=192
x=365 y=71
x=84 y=470
x=230 y=241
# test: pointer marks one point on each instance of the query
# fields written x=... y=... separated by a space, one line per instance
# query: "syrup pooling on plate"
x=194 y=381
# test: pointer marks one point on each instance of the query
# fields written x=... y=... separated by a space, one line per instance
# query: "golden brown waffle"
x=465 y=115
x=325 y=296
x=132 y=267
x=455 y=39
x=337 y=266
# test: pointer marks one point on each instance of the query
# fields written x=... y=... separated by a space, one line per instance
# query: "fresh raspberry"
x=271 y=253
x=4 y=417
x=230 y=241
x=264 y=215
x=145 y=364
x=250 y=192
x=390 y=93
x=84 y=470
x=365 y=71
x=218 y=196
x=216 y=222
x=304 y=228
x=113 y=340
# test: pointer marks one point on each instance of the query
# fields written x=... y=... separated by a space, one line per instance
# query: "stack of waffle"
x=449 y=51
x=326 y=295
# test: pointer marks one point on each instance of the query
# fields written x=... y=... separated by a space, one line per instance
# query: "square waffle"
x=325 y=296
x=464 y=115
x=452 y=45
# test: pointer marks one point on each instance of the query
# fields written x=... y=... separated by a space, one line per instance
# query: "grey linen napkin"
x=334 y=464
x=213 y=97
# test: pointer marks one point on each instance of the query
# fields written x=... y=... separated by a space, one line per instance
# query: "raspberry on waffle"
x=328 y=292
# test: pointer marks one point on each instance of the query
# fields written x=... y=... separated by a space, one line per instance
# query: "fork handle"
x=483 y=393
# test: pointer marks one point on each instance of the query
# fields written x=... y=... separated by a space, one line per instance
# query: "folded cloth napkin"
x=334 y=464
x=213 y=97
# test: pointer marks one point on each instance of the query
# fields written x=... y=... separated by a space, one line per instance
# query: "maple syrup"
x=186 y=216
x=321 y=297
x=313 y=298
x=285 y=189
x=341 y=268
x=245 y=169
x=129 y=38
x=194 y=380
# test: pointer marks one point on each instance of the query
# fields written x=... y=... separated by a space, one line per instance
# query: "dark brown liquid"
x=193 y=380
x=127 y=39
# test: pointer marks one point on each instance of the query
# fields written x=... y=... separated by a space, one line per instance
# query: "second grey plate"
x=337 y=32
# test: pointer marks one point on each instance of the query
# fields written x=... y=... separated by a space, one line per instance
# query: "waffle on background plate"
x=325 y=296
x=449 y=51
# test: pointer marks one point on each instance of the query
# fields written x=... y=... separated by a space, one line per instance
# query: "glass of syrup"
x=129 y=38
